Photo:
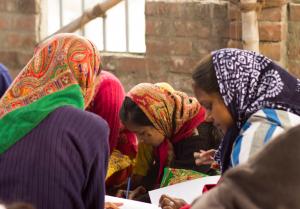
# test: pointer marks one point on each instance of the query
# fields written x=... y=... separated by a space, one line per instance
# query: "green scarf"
x=21 y=121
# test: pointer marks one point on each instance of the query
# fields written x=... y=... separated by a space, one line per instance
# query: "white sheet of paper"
x=188 y=190
x=130 y=204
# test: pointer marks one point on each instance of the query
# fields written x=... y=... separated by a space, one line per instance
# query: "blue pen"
x=128 y=187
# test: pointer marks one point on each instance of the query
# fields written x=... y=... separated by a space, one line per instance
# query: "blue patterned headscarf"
x=249 y=82
x=5 y=79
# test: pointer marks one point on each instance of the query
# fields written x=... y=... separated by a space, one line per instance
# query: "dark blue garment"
x=60 y=164
x=5 y=79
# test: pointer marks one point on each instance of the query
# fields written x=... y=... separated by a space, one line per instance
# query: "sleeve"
x=144 y=159
x=255 y=133
x=269 y=173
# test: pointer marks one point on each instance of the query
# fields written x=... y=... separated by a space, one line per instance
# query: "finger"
x=162 y=197
x=118 y=204
x=197 y=154
x=163 y=200
x=167 y=207
x=166 y=201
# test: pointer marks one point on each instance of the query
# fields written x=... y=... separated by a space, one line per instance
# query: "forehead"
x=203 y=95
x=136 y=128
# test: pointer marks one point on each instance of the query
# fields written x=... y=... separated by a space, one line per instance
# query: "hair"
x=204 y=75
x=131 y=113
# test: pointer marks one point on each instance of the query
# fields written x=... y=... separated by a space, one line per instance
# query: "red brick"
x=9 y=58
x=23 y=58
x=220 y=10
x=181 y=82
x=158 y=27
x=25 y=22
x=131 y=64
x=294 y=68
x=270 y=31
x=167 y=46
x=5 y=21
x=234 y=13
x=180 y=46
x=294 y=12
x=157 y=69
x=271 y=50
x=23 y=41
x=220 y=29
x=182 y=64
x=157 y=9
x=157 y=47
x=187 y=28
x=204 y=47
x=3 y=5
x=235 y=30
x=271 y=14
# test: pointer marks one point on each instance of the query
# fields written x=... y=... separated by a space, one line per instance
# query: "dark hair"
x=131 y=113
x=204 y=75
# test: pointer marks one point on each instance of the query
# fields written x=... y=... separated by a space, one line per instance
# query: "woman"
x=123 y=143
x=249 y=97
x=5 y=79
x=50 y=147
x=166 y=123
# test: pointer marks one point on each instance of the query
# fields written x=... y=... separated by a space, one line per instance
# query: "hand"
x=204 y=157
x=167 y=202
x=112 y=205
x=132 y=194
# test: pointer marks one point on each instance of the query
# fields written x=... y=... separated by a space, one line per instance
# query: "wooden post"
x=250 y=35
x=97 y=11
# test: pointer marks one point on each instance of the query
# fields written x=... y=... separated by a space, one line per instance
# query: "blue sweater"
x=60 y=164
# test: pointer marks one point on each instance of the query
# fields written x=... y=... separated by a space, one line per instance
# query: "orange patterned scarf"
x=63 y=71
x=173 y=113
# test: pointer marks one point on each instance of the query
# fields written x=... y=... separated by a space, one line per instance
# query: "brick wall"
x=294 y=38
x=19 y=26
x=178 y=34
x=272 y=30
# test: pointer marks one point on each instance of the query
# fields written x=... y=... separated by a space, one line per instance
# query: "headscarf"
x=107 y=103
x=5 y=79
x=172 y=113
x=62 y=72
x=248 y=82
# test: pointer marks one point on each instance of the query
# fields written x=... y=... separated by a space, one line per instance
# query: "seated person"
x=170 y=127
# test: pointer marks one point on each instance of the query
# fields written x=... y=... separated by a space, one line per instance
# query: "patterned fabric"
x=171 y=112
x=107 y=103
x=262 y=127
x=118 y=162
x=63 y=71
x=175 y=176
x=249 y=82
x=5 y=79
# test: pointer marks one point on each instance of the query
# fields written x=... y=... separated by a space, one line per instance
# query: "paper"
x=188 y=190
x=130 y=204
